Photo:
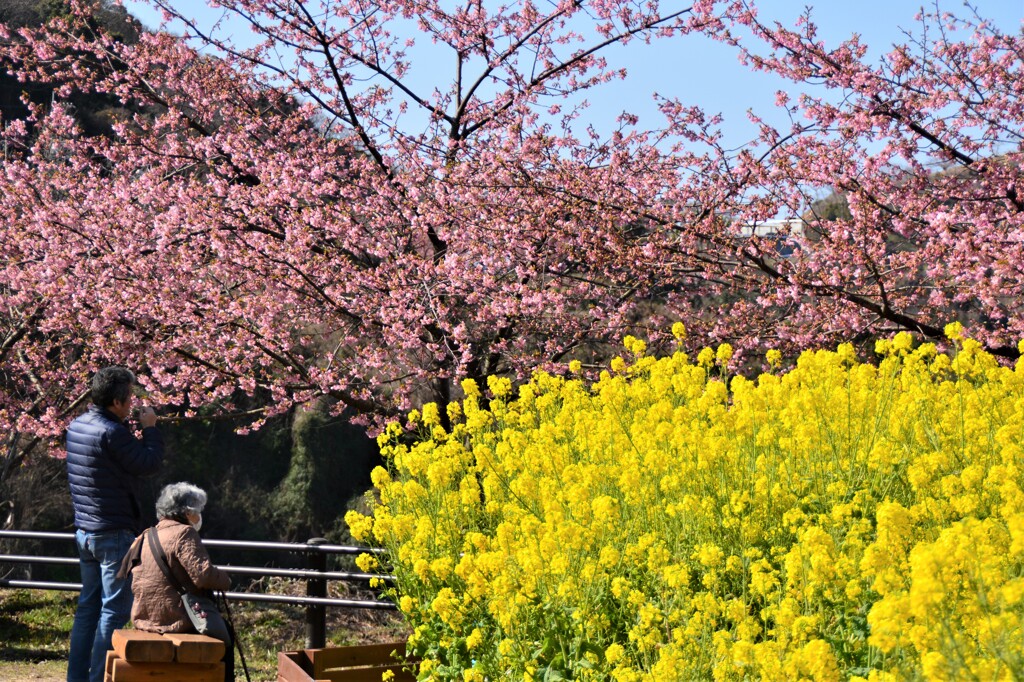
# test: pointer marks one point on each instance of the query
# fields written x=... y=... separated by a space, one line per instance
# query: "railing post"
x=316 y=614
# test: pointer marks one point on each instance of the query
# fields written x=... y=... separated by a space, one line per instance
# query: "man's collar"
x=106 y=413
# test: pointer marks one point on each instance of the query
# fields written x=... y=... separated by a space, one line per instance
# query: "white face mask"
x=198 y=524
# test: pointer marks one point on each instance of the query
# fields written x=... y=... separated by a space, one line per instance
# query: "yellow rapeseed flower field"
x=837 y=521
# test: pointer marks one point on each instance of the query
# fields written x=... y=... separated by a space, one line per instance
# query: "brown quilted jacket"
x=157 y=606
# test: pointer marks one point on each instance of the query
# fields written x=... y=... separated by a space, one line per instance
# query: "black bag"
x=201 y=610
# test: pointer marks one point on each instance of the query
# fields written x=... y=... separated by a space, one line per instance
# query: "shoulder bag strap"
x=161 y=560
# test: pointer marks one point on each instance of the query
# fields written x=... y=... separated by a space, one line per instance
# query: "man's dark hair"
x=110 y=384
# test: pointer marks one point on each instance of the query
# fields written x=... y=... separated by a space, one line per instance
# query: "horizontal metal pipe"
x=232 y=544
x=36 y=535
x=293 y=547
x=297 y=573
x=28 y=559
x=235 y=596
x=303 y=573
x=41 y=585
x=324 y=601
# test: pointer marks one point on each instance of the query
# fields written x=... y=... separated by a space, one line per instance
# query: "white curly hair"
x=178 y=499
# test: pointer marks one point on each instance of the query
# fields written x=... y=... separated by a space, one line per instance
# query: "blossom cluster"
x=347 y=229
x=839 y=520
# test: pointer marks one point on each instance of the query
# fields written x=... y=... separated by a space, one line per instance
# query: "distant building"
x=787 y=233
x=778 y=227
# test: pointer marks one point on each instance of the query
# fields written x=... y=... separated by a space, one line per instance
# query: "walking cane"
x=231 y=631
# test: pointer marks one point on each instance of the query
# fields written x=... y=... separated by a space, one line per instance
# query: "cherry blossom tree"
x=299 y=218
x=924 y=148
x=266 y=227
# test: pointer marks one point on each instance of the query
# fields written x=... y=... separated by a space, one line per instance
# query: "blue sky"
x=706 y=73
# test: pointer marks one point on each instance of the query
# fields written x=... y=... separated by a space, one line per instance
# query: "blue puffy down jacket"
x=104 y=463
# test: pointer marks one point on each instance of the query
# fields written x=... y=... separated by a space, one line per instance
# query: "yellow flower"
x=360 y=526
x=695 y=529
x=903 y=342
x=470 y=388
x=724 y=354
x=380 y=478
x=431 y=414
x=499 y=386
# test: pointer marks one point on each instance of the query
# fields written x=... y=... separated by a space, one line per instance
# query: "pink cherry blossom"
x=285 y=229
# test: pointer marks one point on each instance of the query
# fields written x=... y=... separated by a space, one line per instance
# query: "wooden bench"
x=147 y=656
x=364 y=663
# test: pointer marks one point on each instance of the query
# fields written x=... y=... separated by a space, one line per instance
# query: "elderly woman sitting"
x=157 y=606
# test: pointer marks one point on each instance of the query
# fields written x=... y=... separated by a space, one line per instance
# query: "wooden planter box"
x=344 y=664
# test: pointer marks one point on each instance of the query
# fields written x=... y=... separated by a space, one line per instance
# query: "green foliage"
x=95 y=112
x=330 y=465
x=290 y=481
x=832 y=207
x=35 y=625
x=109 y=16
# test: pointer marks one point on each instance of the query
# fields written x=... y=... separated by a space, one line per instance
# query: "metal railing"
x=315 y=574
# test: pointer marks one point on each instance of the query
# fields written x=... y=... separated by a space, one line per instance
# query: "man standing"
x=105 y=461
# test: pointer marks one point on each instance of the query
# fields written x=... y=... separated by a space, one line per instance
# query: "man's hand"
x=147 y=417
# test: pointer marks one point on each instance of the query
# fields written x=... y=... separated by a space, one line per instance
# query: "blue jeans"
x=104 y=605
